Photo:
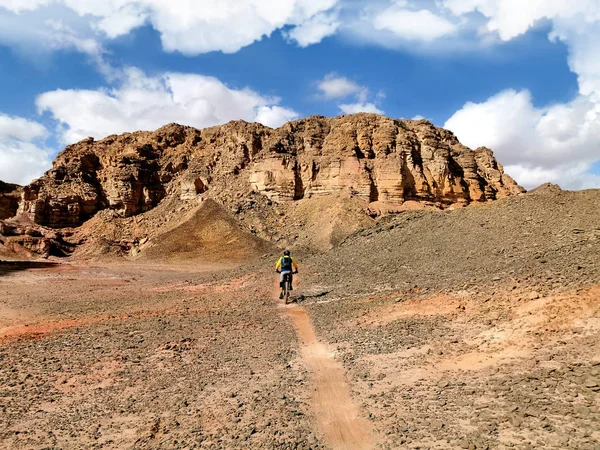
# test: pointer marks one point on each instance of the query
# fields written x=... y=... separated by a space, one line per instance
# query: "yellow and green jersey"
x=286 y=263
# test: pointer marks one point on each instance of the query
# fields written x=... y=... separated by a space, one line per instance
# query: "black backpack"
x=286 y=263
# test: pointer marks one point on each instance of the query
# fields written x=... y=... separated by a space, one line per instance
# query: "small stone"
x=515 y=421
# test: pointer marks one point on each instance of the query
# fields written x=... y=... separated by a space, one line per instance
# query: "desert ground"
x=477 y=328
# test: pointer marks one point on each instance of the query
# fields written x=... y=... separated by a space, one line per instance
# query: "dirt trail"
x=338 y=415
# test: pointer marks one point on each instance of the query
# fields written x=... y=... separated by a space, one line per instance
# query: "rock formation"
x=383 y=161
x=9 y=199
x=546 y=189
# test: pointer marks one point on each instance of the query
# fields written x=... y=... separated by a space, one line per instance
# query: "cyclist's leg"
x=281 y=284
x=283 y=279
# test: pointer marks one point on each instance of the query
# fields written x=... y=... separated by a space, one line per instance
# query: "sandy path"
x=338 y=415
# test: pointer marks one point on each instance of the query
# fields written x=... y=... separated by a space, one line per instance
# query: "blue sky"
x=528 y=88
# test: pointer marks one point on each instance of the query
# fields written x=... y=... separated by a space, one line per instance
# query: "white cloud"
x=576 y=23
x=193 y=27
x=38 y=33
x=555 y=143
x=147 y=103
x=275 y=116
x=534 y=139
x=22 y=157
x=420 y=25
x=188 y=26
x=20 y=129
x=314 y=30
x=18 y=6
x=558 y=143
x=416 y=26
x=583 y=40
x=569 y=176
x=353 y=108
x=512 y=18
x=334 y=86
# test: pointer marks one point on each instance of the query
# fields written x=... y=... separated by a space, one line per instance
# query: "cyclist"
x=284 y=266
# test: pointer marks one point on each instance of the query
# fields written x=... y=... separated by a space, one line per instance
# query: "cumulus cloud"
x=577 y=24
x=22 y=155
x=412 y=25
x=187 y=26
x=18 y=6
x=142 y=102
x=314 y=30
x=533 y=146
x=192 y=27
x=417 y=26
x=353 y=108
x=510 y=18
x=337 y=87
x=570 y=176
x=275 y=116
x=20 y=129
x=557 y=143
x=38 y=30
x=334 y=86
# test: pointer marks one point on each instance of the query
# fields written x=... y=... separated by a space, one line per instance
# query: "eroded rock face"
x=9 y=199
x=34 y=238
x=384 y=161
x=127 y=173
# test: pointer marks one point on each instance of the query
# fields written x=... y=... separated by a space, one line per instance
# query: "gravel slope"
x=474 y=328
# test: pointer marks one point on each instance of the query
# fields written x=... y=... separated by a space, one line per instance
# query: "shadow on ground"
x=302 y=298
x=7 y=267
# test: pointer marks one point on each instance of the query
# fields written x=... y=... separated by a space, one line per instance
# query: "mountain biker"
x=284 y=266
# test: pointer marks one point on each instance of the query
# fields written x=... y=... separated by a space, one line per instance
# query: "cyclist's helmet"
x=286 y=253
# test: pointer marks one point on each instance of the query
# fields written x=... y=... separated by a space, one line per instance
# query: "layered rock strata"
x=384 y=161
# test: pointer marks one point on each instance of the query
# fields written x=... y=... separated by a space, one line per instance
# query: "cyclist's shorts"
x=281 y=275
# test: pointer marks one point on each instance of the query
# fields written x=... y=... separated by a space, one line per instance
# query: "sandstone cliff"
x=382 y=162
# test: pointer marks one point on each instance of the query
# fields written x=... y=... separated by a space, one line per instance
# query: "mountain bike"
x=287 y=281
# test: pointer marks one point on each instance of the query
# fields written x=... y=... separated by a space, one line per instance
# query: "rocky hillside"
x=381 y=160
x=359 y=164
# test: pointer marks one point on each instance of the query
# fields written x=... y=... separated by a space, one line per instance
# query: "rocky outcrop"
x=9 y=199
x=39 y=240
x=546 y=189
x=6 y=188
x=125 y=174
x=383 y=161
